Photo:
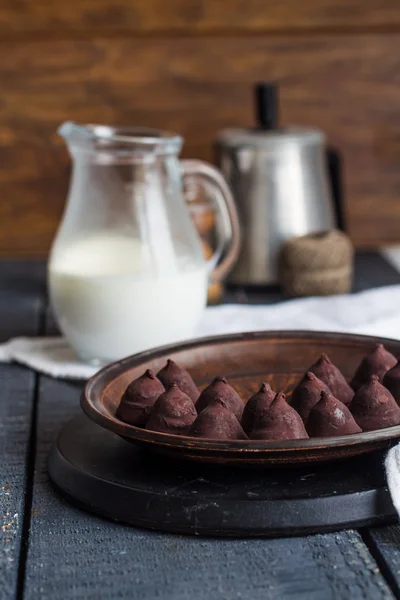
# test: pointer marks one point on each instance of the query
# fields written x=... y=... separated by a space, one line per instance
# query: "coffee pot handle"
x=335 y=172
x=228 y=231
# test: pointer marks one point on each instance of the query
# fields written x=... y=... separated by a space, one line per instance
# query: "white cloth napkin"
x=392 y=466
x=49 y=355
x=374 y=312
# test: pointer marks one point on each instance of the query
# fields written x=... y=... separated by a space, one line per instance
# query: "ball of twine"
x=317 y=264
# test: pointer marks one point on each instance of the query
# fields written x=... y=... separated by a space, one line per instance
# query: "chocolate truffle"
x=278 y=422
x=306 y=394
x=391 y=381
x=326 y=371
x=376 y=362
x=216 y=422
x=173 y=412
x=255 y=406
x=173 y=373
x=374 y=407
x=220 y=388
x=138 y=399
x=330 y=417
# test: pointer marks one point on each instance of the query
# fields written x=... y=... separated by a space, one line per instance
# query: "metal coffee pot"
x=280 y=181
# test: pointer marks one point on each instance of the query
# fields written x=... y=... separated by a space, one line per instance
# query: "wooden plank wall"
x=188 y=65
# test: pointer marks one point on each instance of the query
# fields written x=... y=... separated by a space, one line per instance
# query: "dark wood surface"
x=17 y=400
x=58 y=551
x=103 y=474
x=189 y=66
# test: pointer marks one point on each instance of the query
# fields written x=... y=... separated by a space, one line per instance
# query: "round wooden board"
x=246 y=360
x=104 y=474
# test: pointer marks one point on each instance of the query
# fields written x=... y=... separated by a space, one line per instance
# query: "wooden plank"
x=76 y=555
x=384 y=543
x=373 y=270
x=22 y=293
x=19 y=315
x=347 y=85
x=23 y=278
x=192 y=16
x=15 y=419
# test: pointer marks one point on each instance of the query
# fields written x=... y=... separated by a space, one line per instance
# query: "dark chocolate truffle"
x=376 y=362
x=138 y=399
x=216 y=422
x=391 y=381
x=306 y=394
x=220 y=388
x=173 y=412
x=279 y=422
x=255 y=406
x=330 y=417
x=326 y=371
x=374 y=407
x=173 y=373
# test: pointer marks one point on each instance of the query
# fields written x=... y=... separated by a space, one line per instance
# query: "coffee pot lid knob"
x=266 y=105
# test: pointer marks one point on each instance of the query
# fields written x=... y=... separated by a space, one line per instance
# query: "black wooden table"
x=49 y=549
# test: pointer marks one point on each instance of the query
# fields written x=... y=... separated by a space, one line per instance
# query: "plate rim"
x=91 y=405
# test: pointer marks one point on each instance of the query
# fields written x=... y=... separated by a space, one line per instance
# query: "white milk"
x=111 y=302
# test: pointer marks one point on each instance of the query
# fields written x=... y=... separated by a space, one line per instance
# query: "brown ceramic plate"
x=246 y=359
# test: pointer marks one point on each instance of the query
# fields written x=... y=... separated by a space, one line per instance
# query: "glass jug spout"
x=70 y=130
x=129 y=144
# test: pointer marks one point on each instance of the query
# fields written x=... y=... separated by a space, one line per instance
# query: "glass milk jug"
x=126 y=269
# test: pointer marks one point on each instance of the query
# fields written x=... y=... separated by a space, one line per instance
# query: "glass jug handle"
x=228 y=232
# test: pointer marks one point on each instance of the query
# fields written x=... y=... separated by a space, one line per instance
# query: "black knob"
x=267 y=105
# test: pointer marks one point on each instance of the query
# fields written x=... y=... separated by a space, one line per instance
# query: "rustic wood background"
x=188 y=65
